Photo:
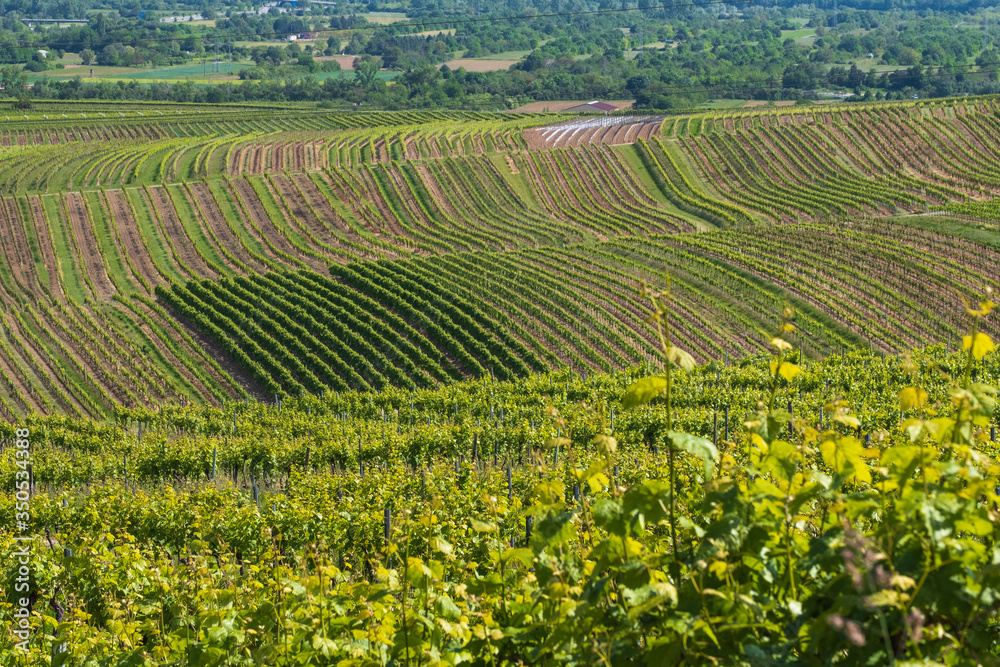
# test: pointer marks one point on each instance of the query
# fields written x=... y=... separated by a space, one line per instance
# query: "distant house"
x=592 y=107
x=291 y=38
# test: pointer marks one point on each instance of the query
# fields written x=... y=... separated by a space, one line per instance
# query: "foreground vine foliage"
x=620 y=534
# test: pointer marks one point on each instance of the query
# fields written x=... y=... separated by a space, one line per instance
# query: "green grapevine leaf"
x=981 y=345
x=698 y=446
x=643 y=391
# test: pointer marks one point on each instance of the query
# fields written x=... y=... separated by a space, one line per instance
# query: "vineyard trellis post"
x=387 y=528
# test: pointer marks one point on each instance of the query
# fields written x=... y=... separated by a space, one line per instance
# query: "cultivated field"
x=384 y=388
x=480 y=64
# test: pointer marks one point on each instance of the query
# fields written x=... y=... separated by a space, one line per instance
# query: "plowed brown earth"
x=216 y=221
x=633 y=132
x=410 y=151
x=434 y=146
x=42 y=233
x=178 y=236
x=301 y=162
x=237 y=161
x=319 y=204
x=583 y=136
x=86 y=241
x=14 y=248
x=131 y=238
x=381 y=152
x=534 y=139
x=257 y=160
x=432 y=185
x=245 y=192
x=299 y=214
x=278 y=157
x=619 y=136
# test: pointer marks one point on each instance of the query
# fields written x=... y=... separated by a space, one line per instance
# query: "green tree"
x=366 y=70
x=13 y=81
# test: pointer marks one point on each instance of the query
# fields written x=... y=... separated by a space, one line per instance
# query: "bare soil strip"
x=256 y=160
x=128 y=230
x=12 y=251
x=300 y=214
x=215 y=219
x=249 y=198
x=178 y=236
x=49 y=259
x=86 y=240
